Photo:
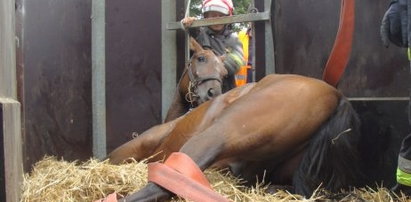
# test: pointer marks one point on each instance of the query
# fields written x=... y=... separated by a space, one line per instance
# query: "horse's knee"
x=123 y=153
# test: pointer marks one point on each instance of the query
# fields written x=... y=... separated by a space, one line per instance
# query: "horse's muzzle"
x=208 y=92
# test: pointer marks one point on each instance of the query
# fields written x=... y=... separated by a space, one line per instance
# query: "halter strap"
x=193 y=84
x=197 y=81
x=341 y=51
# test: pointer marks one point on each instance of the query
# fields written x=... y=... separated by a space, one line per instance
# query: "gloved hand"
x=187 y=22
x=394 y=25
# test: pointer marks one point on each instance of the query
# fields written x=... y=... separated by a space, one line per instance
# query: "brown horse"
x=294 y=130
x=201 y=80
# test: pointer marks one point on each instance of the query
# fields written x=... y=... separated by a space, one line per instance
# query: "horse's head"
x=206 y=72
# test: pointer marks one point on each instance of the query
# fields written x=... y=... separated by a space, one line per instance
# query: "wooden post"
x=9 y=106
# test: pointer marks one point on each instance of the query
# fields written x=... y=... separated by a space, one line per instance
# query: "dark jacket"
x=226 y=43
x=395 y=27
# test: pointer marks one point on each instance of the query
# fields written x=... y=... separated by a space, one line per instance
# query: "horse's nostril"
x=210 y=92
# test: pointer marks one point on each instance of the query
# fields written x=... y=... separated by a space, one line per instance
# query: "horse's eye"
x=201 y=59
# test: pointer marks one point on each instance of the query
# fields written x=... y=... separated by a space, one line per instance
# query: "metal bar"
x=251 y=17
x=98 y=57
x=253 y=69
x=187 y=13
x=269 y=42
x=378 y=98
x=187 y=36
x=168 y=56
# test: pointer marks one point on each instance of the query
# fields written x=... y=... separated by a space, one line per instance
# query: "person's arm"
x=187 y=22
x=394 y=25
x=234 y=57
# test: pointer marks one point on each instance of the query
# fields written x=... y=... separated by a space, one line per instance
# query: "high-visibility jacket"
x=241 y=76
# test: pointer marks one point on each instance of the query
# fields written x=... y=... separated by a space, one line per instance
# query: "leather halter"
x=341 y=51
x=193 y=84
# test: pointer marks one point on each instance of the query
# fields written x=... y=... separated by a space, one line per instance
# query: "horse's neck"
x=179 y=106
x=183 y=85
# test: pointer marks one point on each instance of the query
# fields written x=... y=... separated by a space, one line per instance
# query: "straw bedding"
x=59 y=180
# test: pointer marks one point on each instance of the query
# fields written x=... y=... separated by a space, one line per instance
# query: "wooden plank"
x=7 y=50
x=13 y=152
x=9 y=107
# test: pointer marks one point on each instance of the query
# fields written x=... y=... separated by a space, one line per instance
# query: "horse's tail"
x=332 y=158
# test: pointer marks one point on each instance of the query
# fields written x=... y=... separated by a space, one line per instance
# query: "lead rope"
x=190 y=95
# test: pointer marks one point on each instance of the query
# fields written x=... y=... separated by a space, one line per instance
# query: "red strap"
x=182 y=163
x=342 y=46
x=110 y=198
x=182 y=176
x=181 y=185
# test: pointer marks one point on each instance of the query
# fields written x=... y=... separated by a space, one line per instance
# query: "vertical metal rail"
x=98 y=55
x=269 y=42
x=253 y=45
x=187 y=35
x=168 y=55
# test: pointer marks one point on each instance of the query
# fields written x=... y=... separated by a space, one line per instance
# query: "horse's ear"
x=194 y=45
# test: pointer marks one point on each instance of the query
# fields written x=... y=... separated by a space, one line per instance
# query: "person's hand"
x=188 y=21
x=394 y=24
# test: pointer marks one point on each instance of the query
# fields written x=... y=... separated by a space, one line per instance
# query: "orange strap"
x=183 y=177
x=110 y=198
x=342 y=46
x=182 y=163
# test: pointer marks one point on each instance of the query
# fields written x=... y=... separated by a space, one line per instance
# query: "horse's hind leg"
x=332 y=157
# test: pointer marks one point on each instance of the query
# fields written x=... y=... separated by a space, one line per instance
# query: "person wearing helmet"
x=219 y=38
x=396 y=28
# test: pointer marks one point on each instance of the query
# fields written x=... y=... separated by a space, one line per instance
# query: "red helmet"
x=222 y=6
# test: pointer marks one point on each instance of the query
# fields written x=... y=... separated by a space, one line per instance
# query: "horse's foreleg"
x=143 y=145
x=202 y=154
x=177 y=108
x=203 y=149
